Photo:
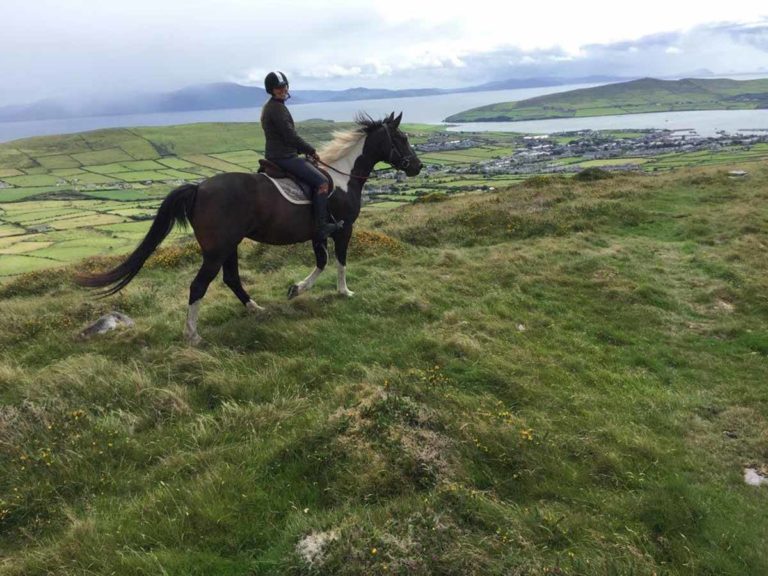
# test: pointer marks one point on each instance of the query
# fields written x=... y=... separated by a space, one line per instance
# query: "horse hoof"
x=252 y=307
x=194 y=340
x=347 y=293
x=293 y=291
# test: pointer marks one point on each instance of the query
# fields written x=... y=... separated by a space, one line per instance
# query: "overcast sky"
x=79 y=48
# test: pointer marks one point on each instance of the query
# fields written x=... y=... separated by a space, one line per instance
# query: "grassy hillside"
x=562 y=378
x=637 y=96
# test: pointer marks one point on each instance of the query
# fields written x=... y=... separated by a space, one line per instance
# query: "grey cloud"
x=85 y=49
x=724 y=48
x=753 y=35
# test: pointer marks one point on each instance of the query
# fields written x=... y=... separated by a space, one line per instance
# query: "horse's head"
x=389 y=144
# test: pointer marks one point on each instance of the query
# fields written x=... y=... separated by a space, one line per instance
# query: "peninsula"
x=633 y=97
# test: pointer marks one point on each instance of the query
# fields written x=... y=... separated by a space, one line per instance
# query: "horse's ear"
x=397 y=120
x=389 y=118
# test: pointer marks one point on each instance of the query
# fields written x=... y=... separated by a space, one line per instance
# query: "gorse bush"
x=367 y=243
x=174 y=256
x=591 y=174
x=431 y=198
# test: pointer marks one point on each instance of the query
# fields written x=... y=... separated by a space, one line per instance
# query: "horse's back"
x=232 y=182
x=245 y=204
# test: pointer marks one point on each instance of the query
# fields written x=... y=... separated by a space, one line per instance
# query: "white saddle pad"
x=290 y=190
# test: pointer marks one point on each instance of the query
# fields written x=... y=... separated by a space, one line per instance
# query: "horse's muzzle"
x=412 y=167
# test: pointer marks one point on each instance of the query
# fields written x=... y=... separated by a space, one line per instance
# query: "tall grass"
x=563 y=378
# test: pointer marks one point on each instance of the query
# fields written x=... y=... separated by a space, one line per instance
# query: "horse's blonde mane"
x=342 y=143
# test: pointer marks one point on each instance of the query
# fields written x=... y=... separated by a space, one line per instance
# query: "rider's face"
x=281 y=92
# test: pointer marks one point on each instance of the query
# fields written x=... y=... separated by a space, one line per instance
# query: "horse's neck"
x=345 y=164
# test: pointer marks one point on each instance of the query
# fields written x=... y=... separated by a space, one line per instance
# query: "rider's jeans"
x=302 y=169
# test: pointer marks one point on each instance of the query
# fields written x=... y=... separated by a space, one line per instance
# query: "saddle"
x=274 y=171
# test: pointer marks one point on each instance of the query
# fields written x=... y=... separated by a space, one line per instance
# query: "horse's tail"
x=177 y=207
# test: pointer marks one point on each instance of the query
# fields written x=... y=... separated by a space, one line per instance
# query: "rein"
x=363 y=178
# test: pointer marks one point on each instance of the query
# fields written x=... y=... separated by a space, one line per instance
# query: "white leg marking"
x=252 y=307
x=341 y=280
x=309 y=281
x=190 y=328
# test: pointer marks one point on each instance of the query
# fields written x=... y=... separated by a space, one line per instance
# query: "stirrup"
x=327 y=228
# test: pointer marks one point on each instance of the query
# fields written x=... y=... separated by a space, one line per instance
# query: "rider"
x=284 y=145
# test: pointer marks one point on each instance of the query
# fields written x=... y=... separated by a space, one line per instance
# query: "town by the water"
x=537 y=154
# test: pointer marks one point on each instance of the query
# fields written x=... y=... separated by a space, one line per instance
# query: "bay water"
x=422 y=110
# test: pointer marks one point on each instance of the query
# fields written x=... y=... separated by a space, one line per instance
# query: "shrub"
x=431 y=197
x=592 y=173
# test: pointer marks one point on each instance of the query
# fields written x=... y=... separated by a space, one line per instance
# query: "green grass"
x=385 y=205
x=216 y=164
x=58 y=161
x=108 y=156
x=9 y=230
x=178 y=174
x=16 y=194
x=122 y=195
x=613 y=162
x=67 y=172
x=142 y=176
x=114 y=168
x=96 y=179
x=559 y=378
x=176 y=163
x=33 y=180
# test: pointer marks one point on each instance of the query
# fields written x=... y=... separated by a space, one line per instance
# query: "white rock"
x=753 y=477
x=106 y=323
x=312 y=547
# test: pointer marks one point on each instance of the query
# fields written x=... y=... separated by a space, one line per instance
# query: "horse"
x=228 y=207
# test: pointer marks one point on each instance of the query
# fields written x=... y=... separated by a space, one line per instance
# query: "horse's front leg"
x=340 y=244
x=321 y=259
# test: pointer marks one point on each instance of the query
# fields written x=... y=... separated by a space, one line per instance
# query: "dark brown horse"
x=228 y=207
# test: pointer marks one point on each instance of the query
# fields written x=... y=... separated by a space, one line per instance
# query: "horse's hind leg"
x=197 y=290
x=232 y=279
x=321 y=259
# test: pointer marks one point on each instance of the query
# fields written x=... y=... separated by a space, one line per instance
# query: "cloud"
x=755 y=34
x=724 y=48
x=84 y=49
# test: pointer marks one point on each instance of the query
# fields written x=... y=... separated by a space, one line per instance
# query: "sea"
x=420 y=110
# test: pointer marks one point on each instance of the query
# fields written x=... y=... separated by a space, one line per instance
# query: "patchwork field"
x=104 y=186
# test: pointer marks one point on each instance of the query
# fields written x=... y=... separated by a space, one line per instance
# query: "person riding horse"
x=284 y=145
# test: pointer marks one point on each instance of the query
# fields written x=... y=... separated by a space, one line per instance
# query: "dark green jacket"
x=278 y=126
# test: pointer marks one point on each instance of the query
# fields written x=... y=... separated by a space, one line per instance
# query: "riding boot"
x=323 y=228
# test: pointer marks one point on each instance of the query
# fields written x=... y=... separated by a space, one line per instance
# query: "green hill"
x=567 y=377
x=634 y=97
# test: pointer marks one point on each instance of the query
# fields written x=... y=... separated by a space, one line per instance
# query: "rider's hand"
x=314 y=157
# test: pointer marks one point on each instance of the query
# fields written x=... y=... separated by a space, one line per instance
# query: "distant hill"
x=225 y=95
x=633 y=97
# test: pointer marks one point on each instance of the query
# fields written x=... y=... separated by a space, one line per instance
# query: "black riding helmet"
x=275 y=80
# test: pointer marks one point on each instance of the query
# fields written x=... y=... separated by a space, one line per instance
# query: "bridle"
x=402 y=162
